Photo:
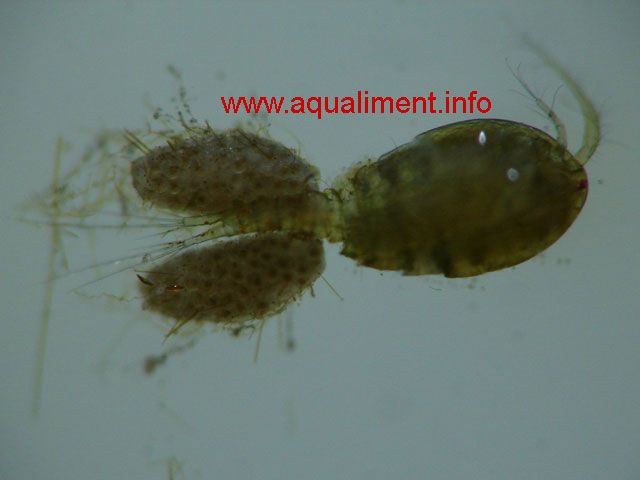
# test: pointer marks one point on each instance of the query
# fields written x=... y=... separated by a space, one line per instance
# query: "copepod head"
x=463 y=199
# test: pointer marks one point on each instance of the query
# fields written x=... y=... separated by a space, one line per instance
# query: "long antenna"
x=591 y=135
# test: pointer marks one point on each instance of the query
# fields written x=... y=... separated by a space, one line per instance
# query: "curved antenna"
x=561 y=131
x=591 y=135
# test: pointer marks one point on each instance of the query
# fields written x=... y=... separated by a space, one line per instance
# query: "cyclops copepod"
x=460 y=200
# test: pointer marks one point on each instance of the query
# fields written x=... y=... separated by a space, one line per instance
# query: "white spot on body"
x=513 y=174
x=482 y=137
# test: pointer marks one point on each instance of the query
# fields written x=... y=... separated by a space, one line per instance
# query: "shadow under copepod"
x=248 y=216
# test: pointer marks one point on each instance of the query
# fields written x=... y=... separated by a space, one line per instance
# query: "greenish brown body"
x=459 y=202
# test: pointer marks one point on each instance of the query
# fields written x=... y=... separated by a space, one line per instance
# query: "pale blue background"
x=533 y=374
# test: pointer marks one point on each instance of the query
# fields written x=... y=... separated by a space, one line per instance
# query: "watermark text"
x=361 y=103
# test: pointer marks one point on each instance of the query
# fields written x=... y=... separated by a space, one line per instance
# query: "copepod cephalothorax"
x=468 y=198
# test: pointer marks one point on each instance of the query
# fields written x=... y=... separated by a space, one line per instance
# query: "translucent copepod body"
x=460 y=200
x=248 y=214
x=469 y=197
x=463 y=199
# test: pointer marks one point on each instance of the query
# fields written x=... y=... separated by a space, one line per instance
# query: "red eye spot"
x=583 y=184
